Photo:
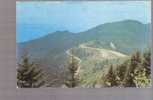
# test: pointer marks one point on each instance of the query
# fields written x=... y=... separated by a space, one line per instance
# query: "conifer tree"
x=135 y=62
x=142 y=73
x=140 y=78
x=28 y=76
x=147 y=62
x=121 y=72
x=110 y=78
x=72 y=80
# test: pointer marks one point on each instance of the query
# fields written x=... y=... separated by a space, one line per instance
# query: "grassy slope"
x=95 y=63
x=127 y=36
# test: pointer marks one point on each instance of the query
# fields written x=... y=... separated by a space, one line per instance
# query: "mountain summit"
x=127 y=35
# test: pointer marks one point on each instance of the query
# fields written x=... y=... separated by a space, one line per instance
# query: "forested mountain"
x=116 y=40
x=127 y=35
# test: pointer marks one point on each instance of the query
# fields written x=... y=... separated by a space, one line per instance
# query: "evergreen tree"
x=140 y=78
x=28 y=76
x=72 y=80
x=147 y=62
x=135 y=62
x=121 y=72
x=142 y=73
x=134 y=72
x=110 y=78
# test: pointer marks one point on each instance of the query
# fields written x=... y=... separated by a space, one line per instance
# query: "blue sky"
x=36 y=19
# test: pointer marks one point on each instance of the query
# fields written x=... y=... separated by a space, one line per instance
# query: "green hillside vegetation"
x=126 y=35
x=130 y=72
x=103 y=54
x=28 y=75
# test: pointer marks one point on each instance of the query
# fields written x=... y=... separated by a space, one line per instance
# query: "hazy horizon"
x=36 y=19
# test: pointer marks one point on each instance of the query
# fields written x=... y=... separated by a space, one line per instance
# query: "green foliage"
x=134 y=72
x=147 y=62
x=120 y=72
x=135 y=61
x=28 y=76
x=110 y=78
x=142 y=74
x=72 y=78
x=122 y=34
x=140 y=78
x=137 y=72
x=57 y=43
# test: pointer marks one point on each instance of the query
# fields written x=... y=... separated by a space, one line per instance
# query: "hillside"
x=95 y=62
x=130 y=31
x=102 y=45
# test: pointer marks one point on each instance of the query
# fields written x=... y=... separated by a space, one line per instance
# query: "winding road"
x=103 y=53
x=77 y=58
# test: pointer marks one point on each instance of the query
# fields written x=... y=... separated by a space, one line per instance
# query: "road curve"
x=104 y=52
x=77 y=58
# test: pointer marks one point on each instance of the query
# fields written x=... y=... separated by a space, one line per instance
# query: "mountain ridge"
x=53 y=47
x=52 y=50
x=66 y=31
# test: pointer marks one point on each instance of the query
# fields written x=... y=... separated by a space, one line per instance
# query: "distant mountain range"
x=125 y=36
